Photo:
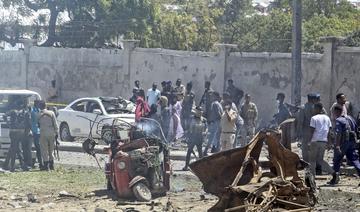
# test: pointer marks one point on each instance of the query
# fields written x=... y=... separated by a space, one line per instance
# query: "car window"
x=79 y=106
x=10 y=101
x=91 y=106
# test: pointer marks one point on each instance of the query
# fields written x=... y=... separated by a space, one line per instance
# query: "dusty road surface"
x=78 y=185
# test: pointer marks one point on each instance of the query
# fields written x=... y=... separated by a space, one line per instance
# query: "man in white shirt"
x=153 y=95
x=320 y=126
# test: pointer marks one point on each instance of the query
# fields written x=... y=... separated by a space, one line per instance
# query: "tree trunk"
x=52 y=24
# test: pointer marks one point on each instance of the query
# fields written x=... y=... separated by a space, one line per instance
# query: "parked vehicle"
x=7 y=100
x=73 y=119
x=139 y=162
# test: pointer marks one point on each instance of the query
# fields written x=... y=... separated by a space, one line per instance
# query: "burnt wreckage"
x=244 y=184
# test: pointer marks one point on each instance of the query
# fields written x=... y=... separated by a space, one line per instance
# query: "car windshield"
x=12 y=101
x=117 y=105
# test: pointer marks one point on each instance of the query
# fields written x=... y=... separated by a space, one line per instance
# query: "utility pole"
x=296 y=73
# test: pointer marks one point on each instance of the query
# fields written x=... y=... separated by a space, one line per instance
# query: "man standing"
x=19 y=123
x=304 y=132
x=320 y=125
x=215 y=115
x=48 y=133
x=249 y=113
x=342 y=102
x=36 y=131
x=165 y=115
x=179 y=90
x=228 y=127
x=206 y=100
x=135 y=91
x=196 y=134
x=153 y=95
x=236 y=94
x=187 y=106
x=283 y=112
x=345 y=141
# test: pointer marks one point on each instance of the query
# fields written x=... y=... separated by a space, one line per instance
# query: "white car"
x=74 y=119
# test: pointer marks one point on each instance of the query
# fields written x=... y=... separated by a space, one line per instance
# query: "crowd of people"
x=219 y=120
x=28 y=125
x=318 y=132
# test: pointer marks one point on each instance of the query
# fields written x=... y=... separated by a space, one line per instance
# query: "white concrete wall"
x=104 y=72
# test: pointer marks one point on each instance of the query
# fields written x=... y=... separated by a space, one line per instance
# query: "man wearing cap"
x=196 y=135
x=165 y=115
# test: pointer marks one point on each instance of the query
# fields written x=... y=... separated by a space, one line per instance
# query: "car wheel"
x=141 y=192
x=65 y=133
x=106 y=135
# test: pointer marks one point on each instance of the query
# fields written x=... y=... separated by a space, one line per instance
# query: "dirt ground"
x=73 y=188
x=82 y=187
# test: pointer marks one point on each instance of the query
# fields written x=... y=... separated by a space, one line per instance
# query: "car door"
x=91 y=106
x=77 y=119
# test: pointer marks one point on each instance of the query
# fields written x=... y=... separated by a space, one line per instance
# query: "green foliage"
x=185 y=24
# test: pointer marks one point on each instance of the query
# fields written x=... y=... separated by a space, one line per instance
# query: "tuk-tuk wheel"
x=141 y=192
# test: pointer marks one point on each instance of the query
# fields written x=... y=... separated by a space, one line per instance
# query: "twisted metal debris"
x=244 y=184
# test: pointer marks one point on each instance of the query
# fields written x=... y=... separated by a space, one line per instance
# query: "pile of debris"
x=242 y=184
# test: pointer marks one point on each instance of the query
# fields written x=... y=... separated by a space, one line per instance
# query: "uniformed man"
x=19 y=124
x=48 y=133
x=179 y=90
x=249 y=113
x=228 y=127
x=187 y=106
x=196 y=135
x=345 y=129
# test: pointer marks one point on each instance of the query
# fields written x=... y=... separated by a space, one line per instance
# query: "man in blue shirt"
x=345 y=129
x=36 y=131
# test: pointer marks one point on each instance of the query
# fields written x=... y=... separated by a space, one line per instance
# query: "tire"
x=65 y=133
x=106 y=135
x=141 y=192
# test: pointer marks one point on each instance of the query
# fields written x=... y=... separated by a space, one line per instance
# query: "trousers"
x=227 y=141
x=36 y=138
x=348 y=150
x=14 y=150
x=26 y=145
x=47 y=145
x=316 y=156
x=214 y=135
x=197 y=141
